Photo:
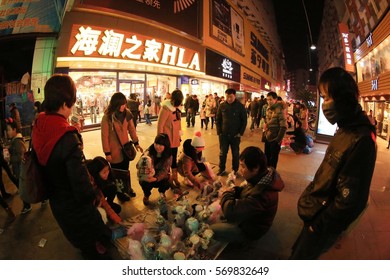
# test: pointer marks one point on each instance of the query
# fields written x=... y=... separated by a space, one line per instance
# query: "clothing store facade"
x=373 y=74
x=103 y=57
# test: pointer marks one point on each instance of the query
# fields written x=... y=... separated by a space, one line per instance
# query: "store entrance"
x=136 y=87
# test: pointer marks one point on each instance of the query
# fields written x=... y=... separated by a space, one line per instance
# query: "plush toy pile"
x=181 y=229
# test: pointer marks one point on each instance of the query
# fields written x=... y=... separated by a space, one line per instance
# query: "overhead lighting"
x=313 y=47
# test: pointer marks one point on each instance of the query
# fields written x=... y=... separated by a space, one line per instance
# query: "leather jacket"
x=341 y=185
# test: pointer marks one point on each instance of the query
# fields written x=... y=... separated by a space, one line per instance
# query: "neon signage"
x=109 y=43
x=348 y=55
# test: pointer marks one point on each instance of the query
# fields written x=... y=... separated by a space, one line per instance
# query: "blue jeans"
x=224 y=142
x=147 y=119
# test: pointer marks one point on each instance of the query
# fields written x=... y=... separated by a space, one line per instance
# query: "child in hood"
x=191 y=162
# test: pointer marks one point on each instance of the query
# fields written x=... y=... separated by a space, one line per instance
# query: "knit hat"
x=198 y=141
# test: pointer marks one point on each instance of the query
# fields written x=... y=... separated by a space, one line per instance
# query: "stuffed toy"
x=145 y=168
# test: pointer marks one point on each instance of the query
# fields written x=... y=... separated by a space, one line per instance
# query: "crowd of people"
x=82 y=191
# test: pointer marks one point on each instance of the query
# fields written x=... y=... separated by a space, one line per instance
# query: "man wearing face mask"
x=339 y=191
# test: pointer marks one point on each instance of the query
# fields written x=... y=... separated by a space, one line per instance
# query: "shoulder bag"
x=128 y=148
x=32 y=188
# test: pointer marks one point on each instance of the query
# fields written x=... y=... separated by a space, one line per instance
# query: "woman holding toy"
x=154 y=165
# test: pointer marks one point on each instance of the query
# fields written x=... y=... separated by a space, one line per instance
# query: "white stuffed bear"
x=145 y=168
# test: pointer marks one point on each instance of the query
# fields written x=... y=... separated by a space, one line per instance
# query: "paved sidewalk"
x=369 y=239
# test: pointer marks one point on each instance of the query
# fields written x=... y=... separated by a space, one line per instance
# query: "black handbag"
x=128 y=148
x=32 y=187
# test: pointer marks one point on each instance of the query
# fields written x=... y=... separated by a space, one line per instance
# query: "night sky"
x=293 y=30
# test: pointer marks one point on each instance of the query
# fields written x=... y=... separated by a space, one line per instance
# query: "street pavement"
x=367 y=240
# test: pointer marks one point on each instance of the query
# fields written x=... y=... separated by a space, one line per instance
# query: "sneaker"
x=222 y=173
x=146 y=200
x=26 y=210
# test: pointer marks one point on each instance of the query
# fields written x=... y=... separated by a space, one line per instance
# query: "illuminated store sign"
x=97 y=42
x=347 y=48
x=222 y=67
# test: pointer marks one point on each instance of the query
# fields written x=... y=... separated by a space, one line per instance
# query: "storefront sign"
x=374 y=84
x=184 y=80
x=250 y=78
x=259 y=54
x=98 y=42
x=347 y=48
x=222 y=67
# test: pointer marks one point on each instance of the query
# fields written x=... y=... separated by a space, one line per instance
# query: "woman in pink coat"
x=169 y=122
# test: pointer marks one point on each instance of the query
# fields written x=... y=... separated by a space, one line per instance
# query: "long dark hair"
x=95 y=166
x=161 y=139
x=117 y=100
x=342 y=88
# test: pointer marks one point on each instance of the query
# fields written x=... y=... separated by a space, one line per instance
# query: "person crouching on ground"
x=160 y=155
x=100 y=170
x=251 y=208
x=191 y=162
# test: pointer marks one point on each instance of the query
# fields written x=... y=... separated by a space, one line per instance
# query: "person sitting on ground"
x=191 y=162
x=298 y=138
x=251 y=208
x=100 y=170
x=160 y=154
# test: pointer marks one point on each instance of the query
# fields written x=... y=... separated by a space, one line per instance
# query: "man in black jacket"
x=231 y=122
x=338 y=194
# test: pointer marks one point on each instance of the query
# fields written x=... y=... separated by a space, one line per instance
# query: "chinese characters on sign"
x=94 y=42
x=348 y=55
x=259 y=54
x=153 y=3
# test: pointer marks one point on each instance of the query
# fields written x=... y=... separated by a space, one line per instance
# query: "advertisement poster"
x=237 y=31
x=179 y=14
x=44 y=16
x=227 y=25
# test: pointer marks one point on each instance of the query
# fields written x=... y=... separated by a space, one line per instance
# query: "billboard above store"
x=222 y=67
x=179 y=14
x=227 y=26
x=21 y=17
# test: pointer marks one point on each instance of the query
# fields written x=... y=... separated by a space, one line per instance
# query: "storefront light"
x=111 y=61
